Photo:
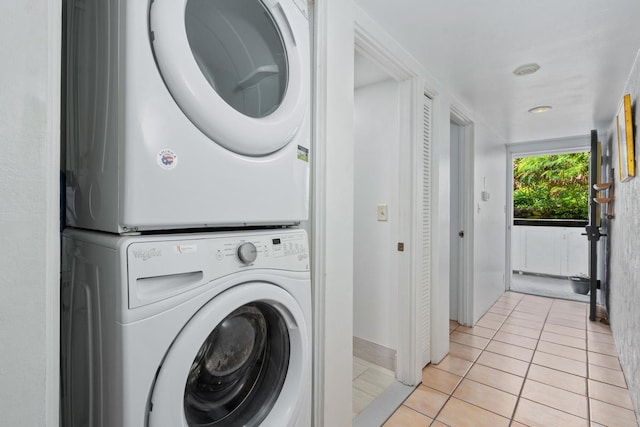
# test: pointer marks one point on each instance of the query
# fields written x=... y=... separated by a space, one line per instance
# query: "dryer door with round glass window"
x=239 y=70
x=242 y=360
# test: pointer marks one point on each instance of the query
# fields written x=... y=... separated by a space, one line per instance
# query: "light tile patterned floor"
x=369 y=381
x=530 y=361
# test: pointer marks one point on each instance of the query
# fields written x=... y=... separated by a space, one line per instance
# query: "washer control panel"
x=286 y=250
x=159 y=267
x=221 y=252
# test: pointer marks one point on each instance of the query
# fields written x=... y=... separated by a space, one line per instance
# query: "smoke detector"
x=526 y=69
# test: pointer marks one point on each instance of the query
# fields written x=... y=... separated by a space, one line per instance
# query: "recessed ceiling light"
x=540 y=109
x=526 y=69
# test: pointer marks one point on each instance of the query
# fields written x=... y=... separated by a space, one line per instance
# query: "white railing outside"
x=557 y=251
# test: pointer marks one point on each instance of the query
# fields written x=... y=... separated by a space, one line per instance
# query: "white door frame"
x=407 y=74
x=465 y=271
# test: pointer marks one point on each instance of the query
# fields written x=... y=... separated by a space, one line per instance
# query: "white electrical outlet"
x=382 y=213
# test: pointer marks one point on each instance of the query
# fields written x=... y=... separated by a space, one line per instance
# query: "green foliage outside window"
x=551 y=187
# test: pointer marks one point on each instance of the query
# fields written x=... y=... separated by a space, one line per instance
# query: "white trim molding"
x=332 y=212
x=318 y=202
x=52 y=268
x=573 y=144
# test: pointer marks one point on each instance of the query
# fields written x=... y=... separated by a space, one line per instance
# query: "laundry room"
x=216 y=201
x=159 y=228
x=185 y=179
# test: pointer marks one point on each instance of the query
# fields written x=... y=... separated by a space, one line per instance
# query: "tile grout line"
x=550 y=312
x=588 y=419
x=373 y=397
x=529 y=367
x=586 y=341
x=526 y=374
x=587 y=377
x=484 y=349
x=435 y=418
x=589 y=398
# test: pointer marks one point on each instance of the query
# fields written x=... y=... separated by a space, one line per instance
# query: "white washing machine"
x=187 y=113
x=186 y=330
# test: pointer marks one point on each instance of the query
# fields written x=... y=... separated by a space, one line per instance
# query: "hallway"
x=530 y=361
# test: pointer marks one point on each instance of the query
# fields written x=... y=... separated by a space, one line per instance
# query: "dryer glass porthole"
x=239 y=370
x=238 y=48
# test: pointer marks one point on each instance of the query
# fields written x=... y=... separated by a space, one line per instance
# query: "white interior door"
x=456 y=223
x=461 y=225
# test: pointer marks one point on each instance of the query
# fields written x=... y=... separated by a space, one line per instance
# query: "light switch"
x=382 y=213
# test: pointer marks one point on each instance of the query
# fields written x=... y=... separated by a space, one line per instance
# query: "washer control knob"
x=247 y=252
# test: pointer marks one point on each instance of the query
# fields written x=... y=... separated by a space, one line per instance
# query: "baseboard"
x=374 y=353
x=529 y=273
x=383 y=406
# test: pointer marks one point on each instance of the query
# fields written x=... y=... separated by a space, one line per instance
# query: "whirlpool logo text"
x=148 y=254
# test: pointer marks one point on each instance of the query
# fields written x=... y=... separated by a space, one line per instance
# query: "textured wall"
x=624 y=294
x=29 y=123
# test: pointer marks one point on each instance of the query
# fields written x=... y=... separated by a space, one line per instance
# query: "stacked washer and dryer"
x=186 y=296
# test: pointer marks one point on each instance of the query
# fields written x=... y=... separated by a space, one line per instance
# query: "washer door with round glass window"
x=242 y=360
x=239 y=70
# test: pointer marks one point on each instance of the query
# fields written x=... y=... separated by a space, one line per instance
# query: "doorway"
x=388 y=225
x=550 y=210
x=376 y=221
x=544 y=241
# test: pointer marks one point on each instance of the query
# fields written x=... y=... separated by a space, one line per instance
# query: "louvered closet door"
x=424 y=292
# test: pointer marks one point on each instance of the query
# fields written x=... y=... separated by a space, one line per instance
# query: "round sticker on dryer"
x=167 y=159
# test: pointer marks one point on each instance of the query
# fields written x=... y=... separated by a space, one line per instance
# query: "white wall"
x=29 y=255
x=375 y=287
x=489 y=221
x=624 y=234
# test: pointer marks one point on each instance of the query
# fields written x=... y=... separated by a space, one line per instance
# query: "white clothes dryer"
x=186 y=330
x=187 y=113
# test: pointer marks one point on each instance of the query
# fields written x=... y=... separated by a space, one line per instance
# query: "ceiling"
x=585 y=49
